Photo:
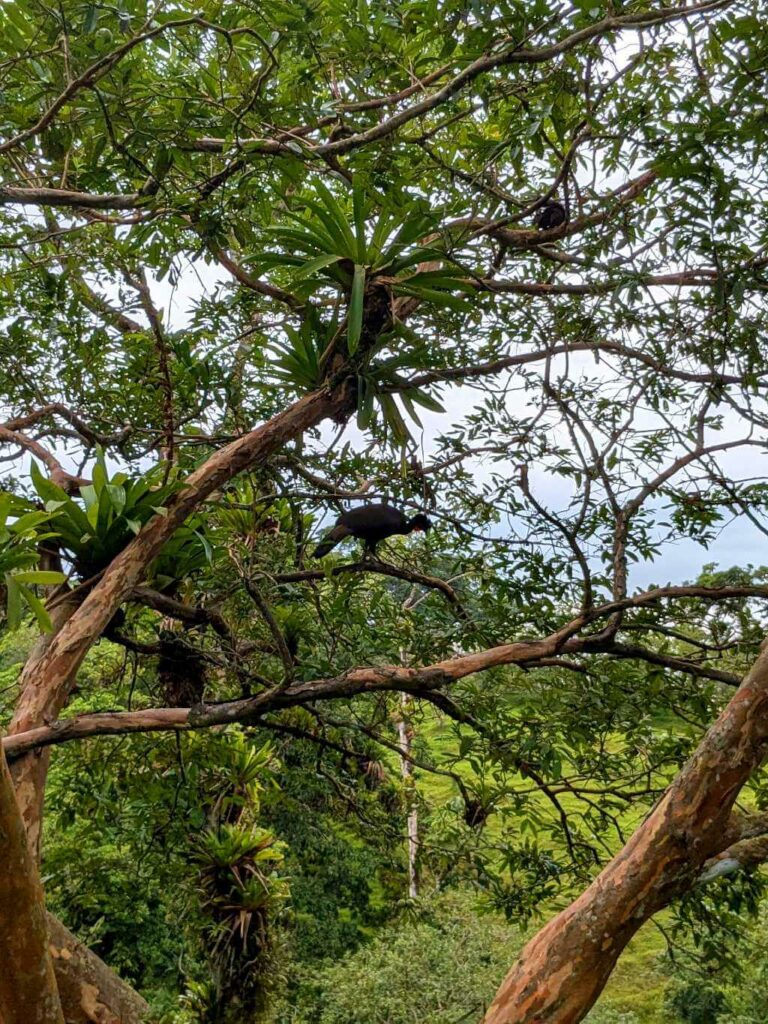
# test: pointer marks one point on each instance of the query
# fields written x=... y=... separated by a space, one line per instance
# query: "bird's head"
x=421 y=523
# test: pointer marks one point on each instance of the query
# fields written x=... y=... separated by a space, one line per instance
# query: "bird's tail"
x=329 y=542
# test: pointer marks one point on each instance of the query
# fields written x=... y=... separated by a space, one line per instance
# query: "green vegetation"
x=261 y=263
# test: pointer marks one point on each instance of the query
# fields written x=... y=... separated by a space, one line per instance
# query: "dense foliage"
x=211 y=212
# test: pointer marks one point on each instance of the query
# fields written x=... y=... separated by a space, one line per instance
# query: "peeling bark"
x=30 y=772
x=564 y=968
x=90 y=992
x=28 y=993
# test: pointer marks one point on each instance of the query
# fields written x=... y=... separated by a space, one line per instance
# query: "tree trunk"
x=563 y=969
x=28 y=993
x=90 y=992
x=405 y=736
x=30 y=771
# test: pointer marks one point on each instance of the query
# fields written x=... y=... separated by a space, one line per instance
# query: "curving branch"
x=425 y=681
x=509 y=52
x=494 y=366
x=634 y=652
x=265 y=611
x=10 y=195
x=382 y=569
x=192 y=614
x=59 y=476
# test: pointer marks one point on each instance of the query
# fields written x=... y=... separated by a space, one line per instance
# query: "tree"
x=359 y=192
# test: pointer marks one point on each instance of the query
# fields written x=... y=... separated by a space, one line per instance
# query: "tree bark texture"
x=90 y=992
x=28 y=993
x=30 y=772
x=563 y=969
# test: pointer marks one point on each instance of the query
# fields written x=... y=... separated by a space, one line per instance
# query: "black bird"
x=550 y=215
x=372 y=524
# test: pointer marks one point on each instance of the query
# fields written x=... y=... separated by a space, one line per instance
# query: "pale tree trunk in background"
x=563 y=969
x=28 y=993
x=405 y=736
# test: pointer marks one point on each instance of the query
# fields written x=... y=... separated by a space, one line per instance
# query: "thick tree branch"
x=495 y=366
x=664 y=858
x=85 y=430
x=28 y=993
x=371 y=679
x=58 y=474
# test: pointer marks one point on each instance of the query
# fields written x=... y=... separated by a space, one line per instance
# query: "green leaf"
x=28 y=521
x=38 y=610
x=90 y=496
x=318 y=263
x=355 y=312
x=430 y=295
x=47 y=490
x=394 y=420
x=336 y=220
x=99 y=474
x=13 y=602
x=43 y=577
x=91 y=19
x=358 y=205
x=364 y=403
x=117 y=497
x=408 y=406
x=424 y=398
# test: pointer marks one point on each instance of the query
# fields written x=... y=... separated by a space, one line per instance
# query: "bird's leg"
x=369 y=554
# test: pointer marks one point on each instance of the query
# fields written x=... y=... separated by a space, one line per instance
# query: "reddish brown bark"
x=28 y=993
x=29 y=773
x=90 y=992
x=563 y=969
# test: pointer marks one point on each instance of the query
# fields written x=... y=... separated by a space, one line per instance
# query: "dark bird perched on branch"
x=371 y=524
x=550 y=215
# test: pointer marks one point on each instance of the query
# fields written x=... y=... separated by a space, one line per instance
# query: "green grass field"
x=637 y=985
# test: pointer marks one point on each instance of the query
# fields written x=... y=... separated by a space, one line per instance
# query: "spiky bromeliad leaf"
x=364 y=403
x=319 y=263
x=110 y=512
x=335 y=220
x=359 y=213
x=20 y=540
x=394 y=420
x=355 y=311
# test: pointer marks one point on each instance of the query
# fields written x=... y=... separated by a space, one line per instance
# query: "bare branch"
x=382 y=569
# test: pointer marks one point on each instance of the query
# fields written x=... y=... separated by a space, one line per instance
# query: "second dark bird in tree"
x=371 y=524
x=550 y=215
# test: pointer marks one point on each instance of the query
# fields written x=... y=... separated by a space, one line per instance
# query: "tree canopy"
x=262 y=263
